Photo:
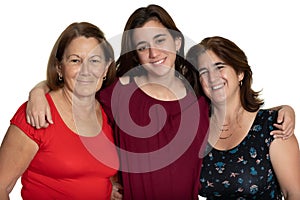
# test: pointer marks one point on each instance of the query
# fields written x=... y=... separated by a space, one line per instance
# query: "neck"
x=79 y=102
x=85 y=113
x=226 y=120
x=162 y=88
x=166 y=81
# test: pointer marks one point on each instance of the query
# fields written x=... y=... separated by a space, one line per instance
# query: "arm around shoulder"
x=285 y=122
x=38 y=111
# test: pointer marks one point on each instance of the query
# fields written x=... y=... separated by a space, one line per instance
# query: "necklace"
x=225 y=128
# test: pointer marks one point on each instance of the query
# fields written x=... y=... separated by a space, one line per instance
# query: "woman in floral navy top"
x=242 y=160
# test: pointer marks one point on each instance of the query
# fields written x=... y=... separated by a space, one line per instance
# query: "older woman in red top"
x=75 y=157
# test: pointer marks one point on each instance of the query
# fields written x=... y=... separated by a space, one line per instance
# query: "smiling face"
x=156 y=48
x=83 y=66
x=219 y=81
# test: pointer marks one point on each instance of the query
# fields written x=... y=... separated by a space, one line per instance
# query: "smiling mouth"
x=84 y=81
x=216 y=87
x=158 y=62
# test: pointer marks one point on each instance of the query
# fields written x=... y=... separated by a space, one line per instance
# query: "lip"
x=217 y=86
x=158 y=62
x=85 y=81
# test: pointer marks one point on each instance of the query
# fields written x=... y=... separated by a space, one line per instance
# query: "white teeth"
x=217 y=87
x=158 y=62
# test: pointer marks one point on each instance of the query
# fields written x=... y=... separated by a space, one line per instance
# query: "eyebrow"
x=159 y=35
x=215 y=64
x=219 y=63
x=155 y=37
x=72 y=55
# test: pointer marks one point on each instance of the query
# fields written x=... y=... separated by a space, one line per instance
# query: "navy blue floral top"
x=244 y=172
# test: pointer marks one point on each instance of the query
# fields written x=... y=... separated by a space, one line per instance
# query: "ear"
x=59 y=69
x=178 y=43
x=107 y=67
x=241 y=76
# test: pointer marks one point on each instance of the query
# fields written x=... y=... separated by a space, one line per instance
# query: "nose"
x=84 y=70
x=153 y=52
x=214 y=75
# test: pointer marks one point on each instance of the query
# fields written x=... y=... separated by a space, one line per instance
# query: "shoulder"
x=19 y=121
x=267 y=115
x=264 y=124
x=124 y=80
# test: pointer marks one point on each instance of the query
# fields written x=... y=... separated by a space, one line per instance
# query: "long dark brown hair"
x=128 y=58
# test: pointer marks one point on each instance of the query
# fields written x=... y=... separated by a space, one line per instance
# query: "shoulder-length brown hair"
x=73 y=31
x=232 y=55
x=128 y=58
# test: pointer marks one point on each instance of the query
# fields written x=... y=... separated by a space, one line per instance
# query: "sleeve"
x=19 y=120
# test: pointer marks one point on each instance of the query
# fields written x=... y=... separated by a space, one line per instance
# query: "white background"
x=268 y=32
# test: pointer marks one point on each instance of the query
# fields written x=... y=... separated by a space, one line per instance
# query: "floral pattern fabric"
x=245 y=171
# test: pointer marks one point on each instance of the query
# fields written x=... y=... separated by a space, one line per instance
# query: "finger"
x=277 y=133
x=278 y=129
x=117 y=195
x=28 y=119
x=279 y=126
x=37 y=122
x=288 y=133
x=287 y=137
x=49 y=116
x=32 y=121
x=285 y=131
x=42 y=121
x=280 y=117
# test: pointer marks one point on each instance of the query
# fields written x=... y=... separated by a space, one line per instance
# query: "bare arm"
x=16 y=152
x=285 y=158
x=38 y=111
x=285 y=122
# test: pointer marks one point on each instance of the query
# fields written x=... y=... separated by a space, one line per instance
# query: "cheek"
x=205 y=87
x=71 y=73
x=142 y=57
x=99 y=72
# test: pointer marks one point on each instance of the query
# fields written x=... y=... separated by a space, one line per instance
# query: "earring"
x=241 y=83
x=104 y=78
x=60 y=78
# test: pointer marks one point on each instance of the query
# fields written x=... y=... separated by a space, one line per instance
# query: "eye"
x=142 y=48
x=95 y=61
x=75 y=60
x=220 y=67
x=160 y=40
x=202 y=71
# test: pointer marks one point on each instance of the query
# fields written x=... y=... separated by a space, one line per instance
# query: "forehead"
x=149 y=30
x=83 y=45
x=208 y=58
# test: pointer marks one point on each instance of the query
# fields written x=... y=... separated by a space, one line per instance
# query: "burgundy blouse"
x=159 y=142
